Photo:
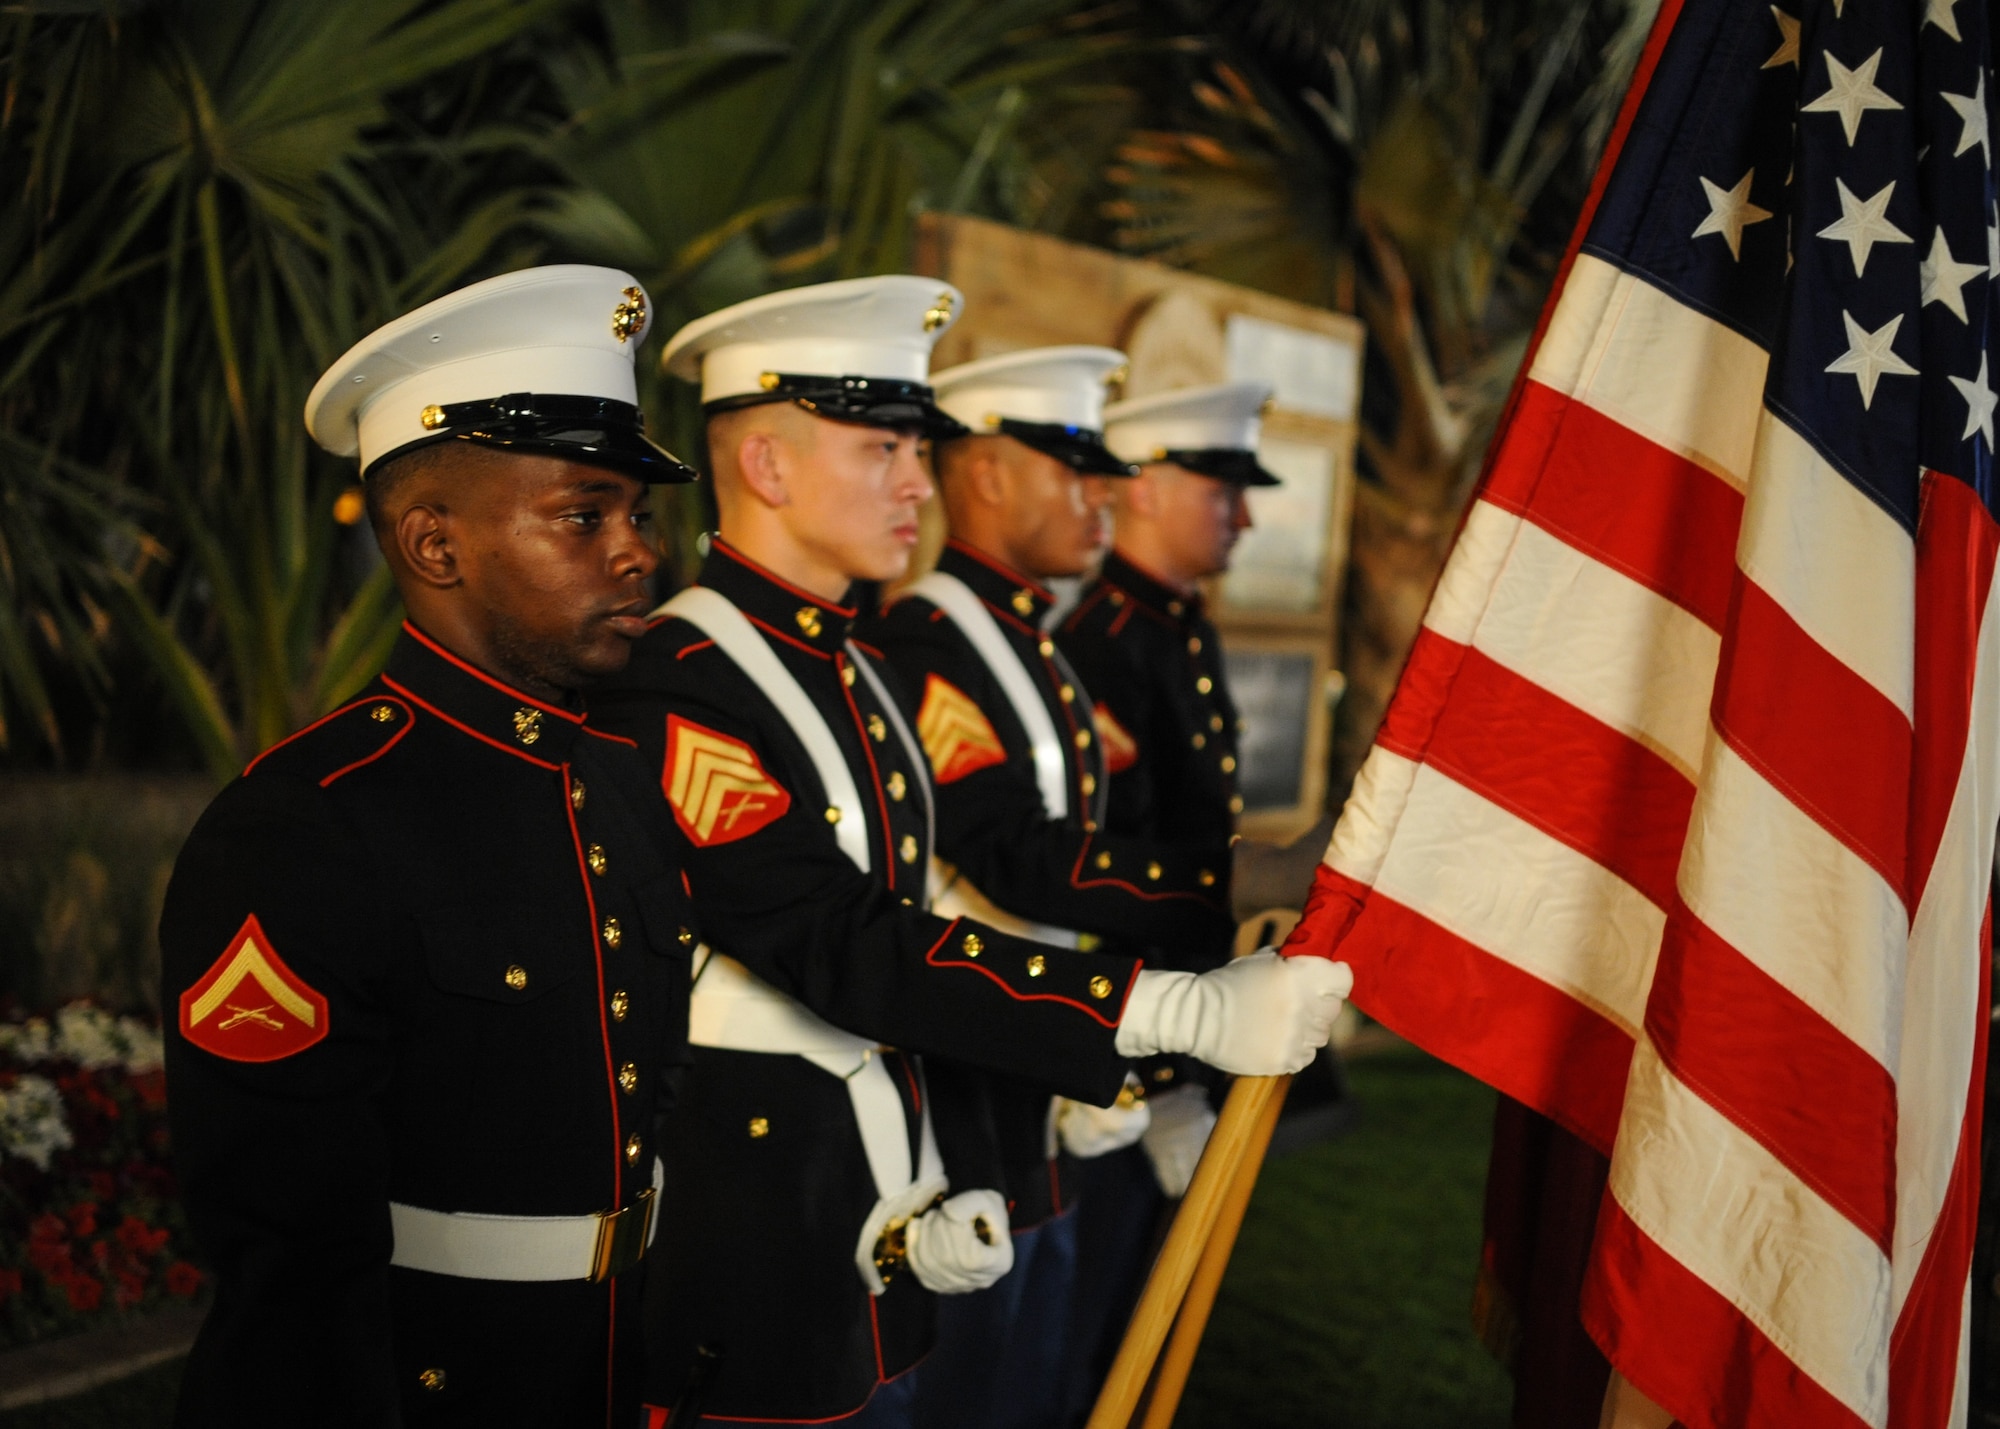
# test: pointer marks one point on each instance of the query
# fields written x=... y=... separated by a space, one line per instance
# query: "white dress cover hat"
x=1050 y=398
x=1212 y=430
x=537 y=361
x=854 y=351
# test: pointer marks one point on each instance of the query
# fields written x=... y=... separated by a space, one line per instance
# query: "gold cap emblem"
x=630 y=315
x=939 y=312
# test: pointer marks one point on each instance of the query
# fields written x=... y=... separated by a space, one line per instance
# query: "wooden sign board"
x=1278 y=607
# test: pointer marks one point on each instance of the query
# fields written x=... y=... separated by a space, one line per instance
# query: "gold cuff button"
x=596 y=859
x=382 y=714
x=576 y=793
x=517 y=977
x=832 y=814
x=1104 y=860
x=973 y=947
x=877 y=730
x=1206 y=878
x=1199 y=741
x=1153 y=872
x=1204 y=684
x=1083 y=739
x=628 y=1078
x=613 y=934
x=760 y=1127
x=1100 y=987
x=898 y=786
x=621 y=1004
x=432 y=1379
x=1037 y=965
x=1228 y=764
x=633 y=1146
x=909 y=848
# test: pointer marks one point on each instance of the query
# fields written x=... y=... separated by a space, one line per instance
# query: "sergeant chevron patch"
x=720 y=793
x=1121 y=751
x=250 y=1007
x=956 y=733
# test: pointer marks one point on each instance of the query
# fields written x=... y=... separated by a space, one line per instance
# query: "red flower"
x=152 y=1089
x=182 y=1279
x=51 y=1257
x=44 y=1229
x=10 y=1284
x=82 y=1219
x=140 y=1239
x=131 y=1289
x=85 y=1294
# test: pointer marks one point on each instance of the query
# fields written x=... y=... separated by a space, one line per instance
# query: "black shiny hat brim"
x=1078 y=448
x=597 y=431
x=1230 y=464
x=617 y=448
x=858 y=401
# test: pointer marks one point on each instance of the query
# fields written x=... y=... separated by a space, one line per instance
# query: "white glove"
x=963 y=1245
x=1088 y=1131
x=1260 y=1016
x=1182 y=1120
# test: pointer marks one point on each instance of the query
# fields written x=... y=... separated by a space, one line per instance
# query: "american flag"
x=1680 y=826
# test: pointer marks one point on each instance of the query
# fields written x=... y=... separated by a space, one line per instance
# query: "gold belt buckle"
x=621 y=1237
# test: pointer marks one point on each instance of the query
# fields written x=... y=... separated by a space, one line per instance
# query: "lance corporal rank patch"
x=249 y=1006
x=718 y=789
x=955 y=732
x=1121 y=750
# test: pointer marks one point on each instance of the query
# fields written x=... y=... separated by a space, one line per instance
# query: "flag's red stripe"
x=1544 y=760
x=1923 y=1351
x=1484 y=1015
x=1759 y=1055
x=1826 y=738
x=1659 y=518
x=1956 y=542
x=1685 y=1347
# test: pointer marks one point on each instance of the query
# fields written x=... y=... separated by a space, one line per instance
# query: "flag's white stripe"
x=1796 y=901
x=1655 y=365
x=1529 y=899
x=1941 y=992
x=1371 y=816
x=1833 y=559
x=1736 y=1217
x=1581 y=630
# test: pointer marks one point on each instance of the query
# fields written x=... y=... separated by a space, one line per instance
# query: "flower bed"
x=91 y=1229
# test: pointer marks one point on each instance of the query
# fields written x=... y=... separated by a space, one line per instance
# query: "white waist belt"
x=732 y=1009
x=475 y=1246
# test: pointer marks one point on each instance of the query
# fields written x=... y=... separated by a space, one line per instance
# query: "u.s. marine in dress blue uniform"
x=801 y=1247
x=426 y=964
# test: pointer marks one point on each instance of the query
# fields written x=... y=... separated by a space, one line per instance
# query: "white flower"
x=93 y=1038
x=32 y=1125
x=28 y=1041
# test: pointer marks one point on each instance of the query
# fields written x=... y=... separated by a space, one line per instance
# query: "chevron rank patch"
x=720 y=793
x=1121 y=751
x=250 y=1007
x=956 y=733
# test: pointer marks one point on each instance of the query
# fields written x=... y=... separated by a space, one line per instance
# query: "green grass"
x=1345 y=1306
x=1347 y=1301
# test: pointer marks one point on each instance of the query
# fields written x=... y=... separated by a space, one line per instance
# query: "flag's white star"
x=1869 y=356
x=1787 y=52
x=1972 y=109
x=1980 y=400
x=1861 y=225
x=1938 y=12
x=1730 y=212
x=1851 y=93
x=1944 y=277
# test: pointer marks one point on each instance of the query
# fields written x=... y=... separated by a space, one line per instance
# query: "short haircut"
x=390 y=479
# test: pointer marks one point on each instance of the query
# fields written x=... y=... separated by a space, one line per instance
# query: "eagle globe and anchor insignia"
x=249 y=1006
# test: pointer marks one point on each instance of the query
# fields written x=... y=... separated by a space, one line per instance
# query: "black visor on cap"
x=1230 y=464
x=862 y=401
x=1079 y=448
x=597 y=431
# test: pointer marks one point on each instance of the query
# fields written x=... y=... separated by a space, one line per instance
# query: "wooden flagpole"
x=1227 y=1159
